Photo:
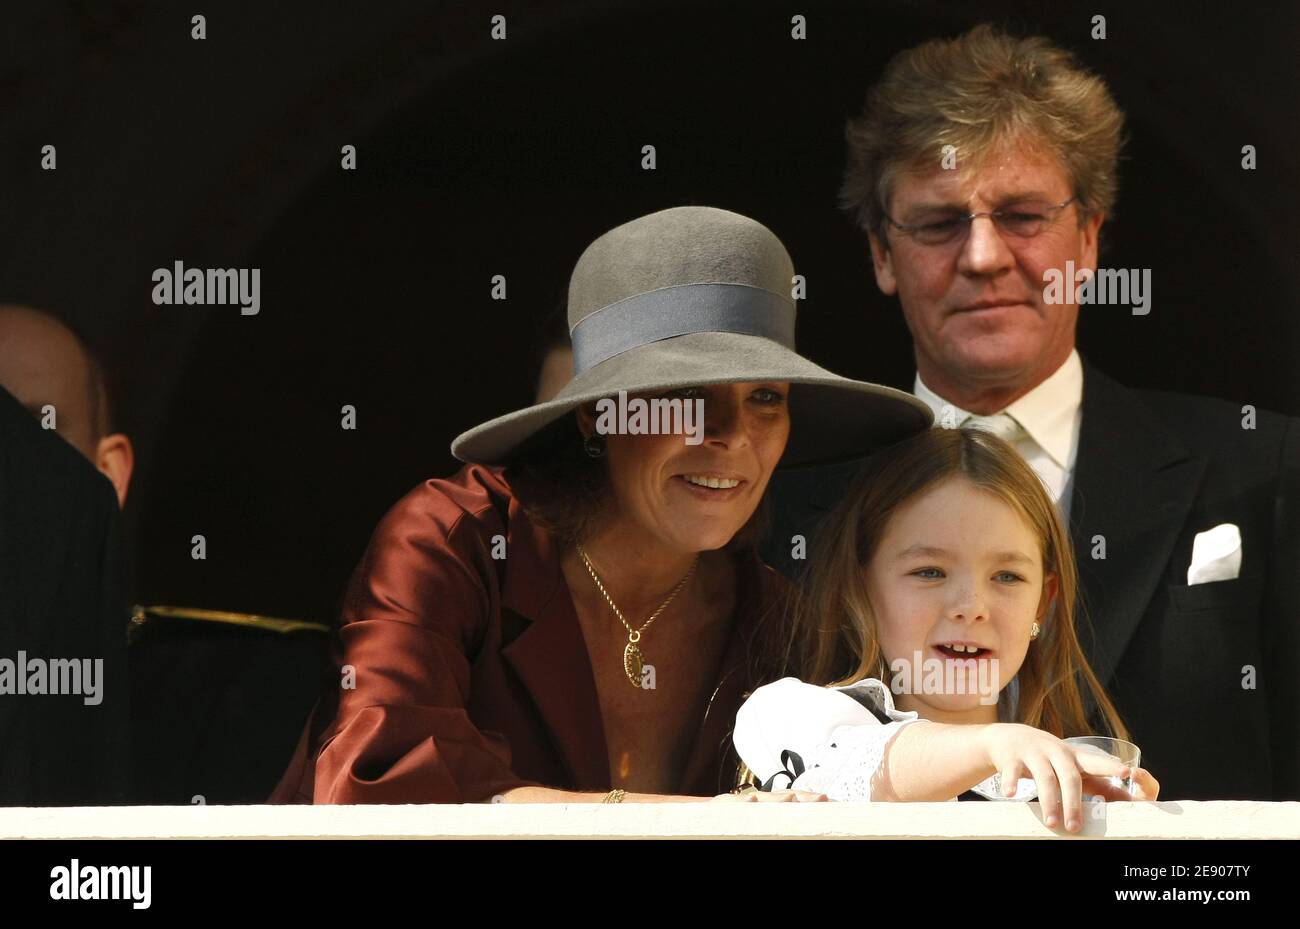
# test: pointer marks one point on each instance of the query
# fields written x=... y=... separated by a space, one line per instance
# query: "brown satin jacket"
x=471 y=673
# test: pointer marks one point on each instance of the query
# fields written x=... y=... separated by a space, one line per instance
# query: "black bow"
x=792 y=766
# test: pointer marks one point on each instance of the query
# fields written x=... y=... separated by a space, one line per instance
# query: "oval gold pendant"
x=632 y=662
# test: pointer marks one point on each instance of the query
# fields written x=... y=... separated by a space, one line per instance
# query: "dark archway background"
x=478 y=158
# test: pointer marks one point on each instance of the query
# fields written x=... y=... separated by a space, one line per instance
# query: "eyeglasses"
x=1023 y=219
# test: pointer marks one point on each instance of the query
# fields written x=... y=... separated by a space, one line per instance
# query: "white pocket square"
x=1216 y=555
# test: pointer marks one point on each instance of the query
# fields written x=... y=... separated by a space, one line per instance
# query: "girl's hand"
x=773 y=796
x=1058 y=770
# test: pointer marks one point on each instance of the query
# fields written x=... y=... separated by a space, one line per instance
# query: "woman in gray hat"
x=577 y=614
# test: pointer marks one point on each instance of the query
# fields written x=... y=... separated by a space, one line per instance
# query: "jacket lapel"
x=1134 y=484
x=550 y=656
x=757 y=588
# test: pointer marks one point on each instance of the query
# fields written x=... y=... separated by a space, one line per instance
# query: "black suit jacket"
x=60 y=598
x=1206 y=677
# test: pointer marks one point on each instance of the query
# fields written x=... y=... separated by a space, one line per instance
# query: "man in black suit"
x=199 y=681
x=982 y=170
x=60 y=601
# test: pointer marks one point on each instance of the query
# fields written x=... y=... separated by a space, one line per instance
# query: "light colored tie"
x=1005 y=426
x=1002 y=425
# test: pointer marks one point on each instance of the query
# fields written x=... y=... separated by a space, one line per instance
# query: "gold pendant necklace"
x=633 y=659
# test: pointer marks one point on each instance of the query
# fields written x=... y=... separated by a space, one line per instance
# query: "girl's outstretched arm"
x=801 y=736
x=932 y=761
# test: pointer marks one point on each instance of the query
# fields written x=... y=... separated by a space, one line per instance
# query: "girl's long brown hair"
x=832 y=635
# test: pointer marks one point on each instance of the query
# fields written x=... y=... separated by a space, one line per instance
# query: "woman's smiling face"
x=958 y=566
x=692 y=498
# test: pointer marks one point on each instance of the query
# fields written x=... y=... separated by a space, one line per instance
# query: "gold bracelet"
x=614 y=796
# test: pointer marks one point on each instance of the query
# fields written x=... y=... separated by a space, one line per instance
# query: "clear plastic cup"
x=1125 y=752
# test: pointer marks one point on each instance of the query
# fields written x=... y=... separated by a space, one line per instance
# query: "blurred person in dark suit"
x=553 y=361
x=52 y=372
x=198 y=679
x=60 y=600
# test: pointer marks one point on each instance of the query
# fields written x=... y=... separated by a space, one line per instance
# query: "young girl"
x=939 y=613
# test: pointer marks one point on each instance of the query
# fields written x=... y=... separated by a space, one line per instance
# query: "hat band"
x=680 y=310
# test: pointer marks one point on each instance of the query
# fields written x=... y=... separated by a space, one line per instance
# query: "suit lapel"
x=756 y=587
x=716 y=723
x=1134 y=484
x=550 y=655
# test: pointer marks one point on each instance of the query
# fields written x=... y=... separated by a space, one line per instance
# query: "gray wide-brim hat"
x=694 y=296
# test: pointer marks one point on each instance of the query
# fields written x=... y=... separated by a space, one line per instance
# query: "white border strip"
x=1172 y=819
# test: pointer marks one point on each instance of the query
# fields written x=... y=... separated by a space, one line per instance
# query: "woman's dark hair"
x=560 y=486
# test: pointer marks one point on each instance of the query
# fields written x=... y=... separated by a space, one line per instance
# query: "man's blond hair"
x=977 y=93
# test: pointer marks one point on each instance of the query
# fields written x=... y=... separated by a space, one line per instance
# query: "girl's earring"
x=1033 y=632
x=594 y=445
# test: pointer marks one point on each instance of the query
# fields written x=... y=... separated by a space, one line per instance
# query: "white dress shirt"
x=1049 y=417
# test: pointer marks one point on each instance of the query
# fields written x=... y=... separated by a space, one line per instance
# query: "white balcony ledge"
x=1164 y=820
